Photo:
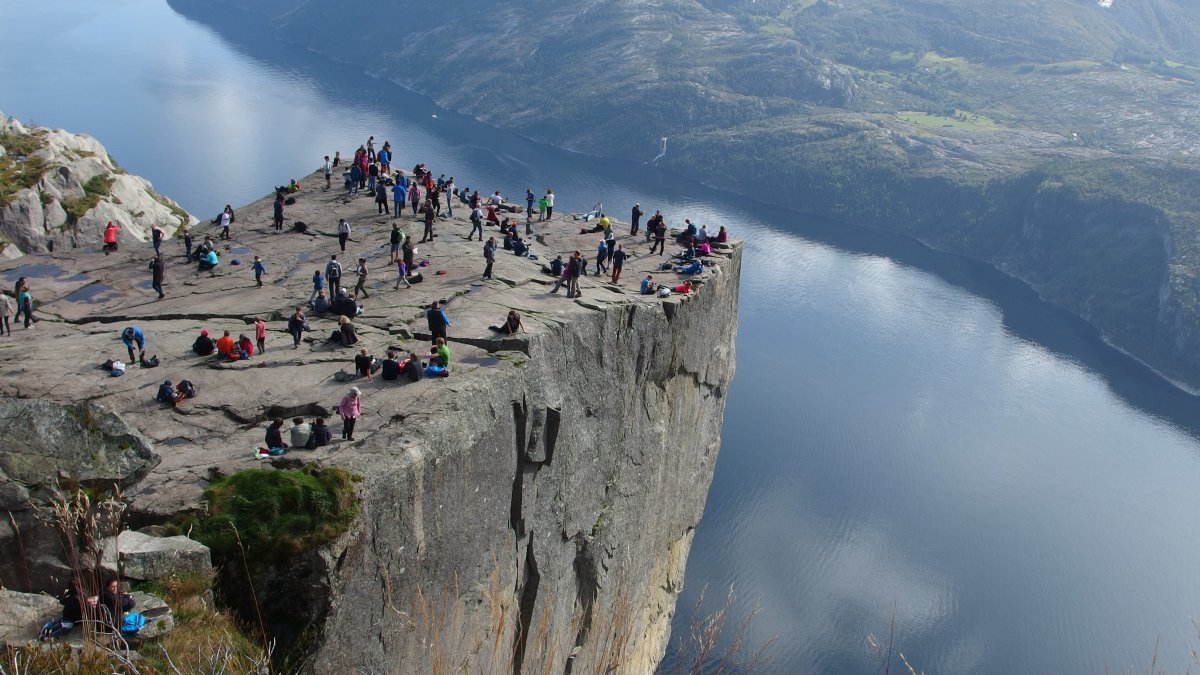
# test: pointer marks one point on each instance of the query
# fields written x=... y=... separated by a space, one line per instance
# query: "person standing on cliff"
x=414 y=196
x=7 y=307
x=297 y=324
x=223 y=222
x=438 y=321
x=156 y=275
x=575 y=269
x=25 y=302
x=278 y=213
x=635 y=218
x=476 y=223
x=132 y=335
x=333 y=272
x=428 y=213
x=489 y=255
x=187 y=244
x=350 y=409
x=328 y=169
x=156 y=238
x=618 y=262
x=448 y=190
x=529 y=200
x=260 y=334
x=549 y=204
x=360 y=288
x=399 y=190
x=343 y=232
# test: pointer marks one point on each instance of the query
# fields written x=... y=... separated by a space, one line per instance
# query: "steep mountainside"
x=1054 y=139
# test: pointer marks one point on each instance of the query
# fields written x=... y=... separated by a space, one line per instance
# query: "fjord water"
x=908 y=433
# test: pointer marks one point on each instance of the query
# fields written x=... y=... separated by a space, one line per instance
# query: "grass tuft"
x=276 y=513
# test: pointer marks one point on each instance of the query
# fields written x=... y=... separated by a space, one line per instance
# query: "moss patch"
x=275 y=513
x=19 y=169
x=95 y=189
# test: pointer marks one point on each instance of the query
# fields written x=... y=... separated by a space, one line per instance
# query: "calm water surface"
x=908 y=432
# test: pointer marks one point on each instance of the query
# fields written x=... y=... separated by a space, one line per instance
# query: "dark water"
x=908 y=432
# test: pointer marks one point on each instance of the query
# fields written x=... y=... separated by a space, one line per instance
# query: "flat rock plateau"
x=525 y=509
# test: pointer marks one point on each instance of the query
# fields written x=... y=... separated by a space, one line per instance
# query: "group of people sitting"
x=174 y=394
x=393 y=366
x=110 y=609
x=301 y=435
x=225 y=346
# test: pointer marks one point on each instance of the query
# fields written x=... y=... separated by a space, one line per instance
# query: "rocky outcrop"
x=52 y=448
x=67 y=189
x=533 y=511
x=133 y=555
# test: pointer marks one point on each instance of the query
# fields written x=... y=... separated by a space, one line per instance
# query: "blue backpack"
x=132 y=624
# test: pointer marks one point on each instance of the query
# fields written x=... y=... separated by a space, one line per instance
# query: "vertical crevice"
x=587 y=587
x=528 y=602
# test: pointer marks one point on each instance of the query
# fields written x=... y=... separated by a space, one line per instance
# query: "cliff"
x=58 y=190
x=532 y=509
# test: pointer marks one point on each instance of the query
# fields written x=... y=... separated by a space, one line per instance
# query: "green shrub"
x=96 y=188
x=275 y=513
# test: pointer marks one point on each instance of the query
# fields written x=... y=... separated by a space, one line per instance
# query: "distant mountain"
x=1056 y=139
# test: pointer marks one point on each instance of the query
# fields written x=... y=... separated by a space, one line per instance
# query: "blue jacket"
x=136 y=336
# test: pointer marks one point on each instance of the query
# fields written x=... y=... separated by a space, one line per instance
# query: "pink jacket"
x=349 y=407
x=260 y=330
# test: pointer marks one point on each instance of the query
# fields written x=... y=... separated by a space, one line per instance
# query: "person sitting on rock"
x=512 y=323
x=364 y=364
x=412 y=367
x=274 y=438
x=648 y=286
x=321 y=304
x=348 y=335
x=166 y=393
x=72 y=601
x=555 y=269
x=225 y=346
x=183 y=390
x=299 y=433
x=112 y=603
x=203 y=345
x=519 y=247
x=209 y=262
x=722 y=235
x=321 y=435
x=245 y=345
x=390 y=369
x=439 y=359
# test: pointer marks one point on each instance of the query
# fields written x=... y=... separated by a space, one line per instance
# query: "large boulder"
x=23 y=614
x=139 y=556
x=87 y=443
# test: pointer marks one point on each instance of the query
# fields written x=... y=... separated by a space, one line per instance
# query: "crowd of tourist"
x=371 y=172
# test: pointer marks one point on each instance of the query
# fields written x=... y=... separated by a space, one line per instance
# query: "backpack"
x=334 y=271
x=300 y=226
x=118 y=369
x=133 y=623
x=187 y=388
x=664 y=292
x=151 y=362
x=52 y=630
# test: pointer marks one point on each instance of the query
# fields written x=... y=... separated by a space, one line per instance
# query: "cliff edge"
x=533 y=511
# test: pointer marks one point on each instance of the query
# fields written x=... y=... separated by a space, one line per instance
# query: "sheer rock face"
x=555 y=501
x=56 y=211
x=548 y=488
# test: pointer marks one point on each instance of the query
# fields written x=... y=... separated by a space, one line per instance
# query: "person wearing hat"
x=133 y=335
x=166 y=392
x=635 y=218
x=350 y=410
x=204 y=346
